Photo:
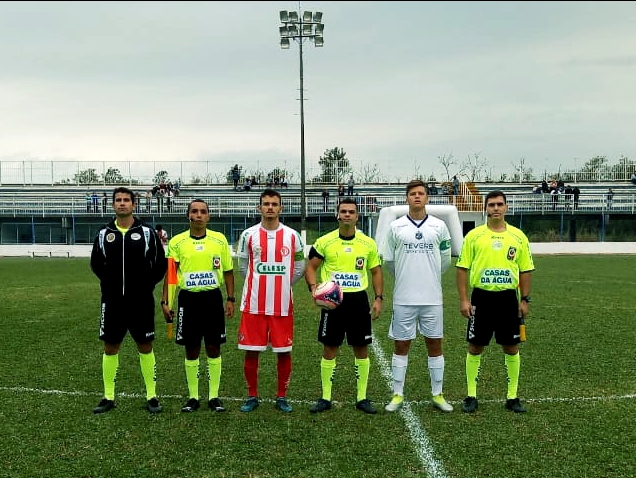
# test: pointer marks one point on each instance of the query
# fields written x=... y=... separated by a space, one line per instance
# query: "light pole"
x=299 y=26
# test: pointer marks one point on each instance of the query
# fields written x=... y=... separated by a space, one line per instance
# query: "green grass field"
x=577 y=381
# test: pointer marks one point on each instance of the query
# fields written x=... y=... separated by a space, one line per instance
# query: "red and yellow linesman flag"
x=172 y=282
x=172 y=291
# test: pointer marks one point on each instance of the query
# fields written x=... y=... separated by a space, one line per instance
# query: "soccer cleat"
x=216 y=405
x=250 y=404
x=439 y=402
x=470 y=404
x=153 y=405
x=320 y=406
x=104 y=406
x=283 y=405
x=395 y=404
x=515 y=405
x=366 y=406
x=192 y=405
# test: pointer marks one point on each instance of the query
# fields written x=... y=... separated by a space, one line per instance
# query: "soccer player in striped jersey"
x=496 y=263
x=204 y=264
x=346 y=256
x=417 y=251
x=272 y=259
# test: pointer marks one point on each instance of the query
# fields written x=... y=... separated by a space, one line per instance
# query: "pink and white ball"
x=328 y=295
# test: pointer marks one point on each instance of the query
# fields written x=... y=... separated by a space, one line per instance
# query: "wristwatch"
x=379 y=296
x=164 y=302
x=526 y=298
x=230 y=298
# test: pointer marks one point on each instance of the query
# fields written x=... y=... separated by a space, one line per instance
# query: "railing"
x=245 y=204
x=564 y=203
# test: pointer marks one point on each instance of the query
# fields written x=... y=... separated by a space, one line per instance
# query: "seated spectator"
x=283 y=182
x=633 y=179
x=247 y=185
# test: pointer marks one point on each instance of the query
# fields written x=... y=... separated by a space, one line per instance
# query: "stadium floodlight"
x=300 y=26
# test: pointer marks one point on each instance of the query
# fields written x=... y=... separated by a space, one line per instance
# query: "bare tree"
x=416 y=172
x=522 y=172
x=475 y=166
x=370 y=174
x=448 y=161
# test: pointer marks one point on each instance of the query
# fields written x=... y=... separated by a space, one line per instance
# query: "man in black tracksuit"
x=129 y=260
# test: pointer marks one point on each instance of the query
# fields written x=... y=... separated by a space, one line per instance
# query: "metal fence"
x=56 y=205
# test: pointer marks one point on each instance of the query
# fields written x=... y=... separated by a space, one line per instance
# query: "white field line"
x=423 y=447
x=43 y=391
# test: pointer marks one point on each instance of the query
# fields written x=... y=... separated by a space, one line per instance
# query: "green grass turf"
x=577 y=381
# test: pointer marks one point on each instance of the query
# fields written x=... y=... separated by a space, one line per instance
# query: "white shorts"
x=408 y=319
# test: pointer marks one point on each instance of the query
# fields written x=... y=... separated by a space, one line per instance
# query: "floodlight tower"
x=300 y=26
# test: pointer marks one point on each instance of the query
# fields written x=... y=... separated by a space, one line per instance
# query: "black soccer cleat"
x=366 y=406
x=515 y=405
x=216 y=405
x=153 y=405
x=192 y=405
x=469 y=405
x=104 y=406
x=321 y=405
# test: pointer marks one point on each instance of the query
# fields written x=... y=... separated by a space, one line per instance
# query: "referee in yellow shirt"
x=346 y=256
x=204 y=263
x=496 y=263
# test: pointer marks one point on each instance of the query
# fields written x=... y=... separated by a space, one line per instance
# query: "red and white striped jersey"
x=271 y=256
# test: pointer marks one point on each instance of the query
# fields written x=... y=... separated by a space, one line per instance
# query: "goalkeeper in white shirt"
x=417 y=251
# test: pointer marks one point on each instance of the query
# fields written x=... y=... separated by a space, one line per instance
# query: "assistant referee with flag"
x=496 y=263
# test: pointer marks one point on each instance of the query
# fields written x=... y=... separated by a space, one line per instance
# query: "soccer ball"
x=328 y=295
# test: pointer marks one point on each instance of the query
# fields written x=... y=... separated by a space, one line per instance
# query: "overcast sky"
x=397 y=84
